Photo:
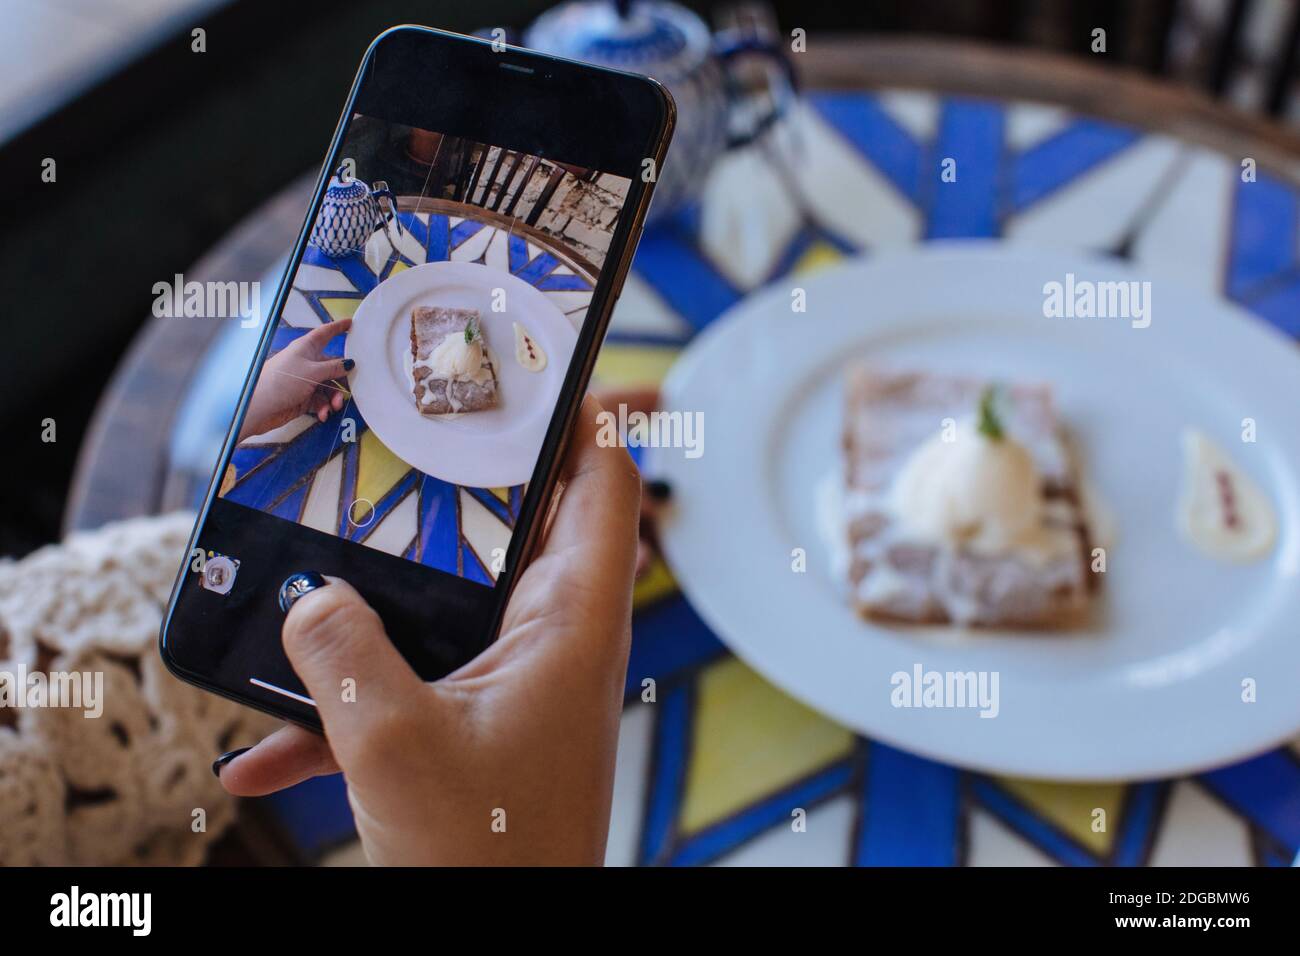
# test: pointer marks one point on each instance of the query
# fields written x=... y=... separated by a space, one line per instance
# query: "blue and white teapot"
x=350 y=214
x=672 y=44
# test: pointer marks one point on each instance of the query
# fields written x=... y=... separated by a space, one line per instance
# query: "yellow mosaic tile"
x=750 y=740
x=655 y=584
x=339 y=308
x=818 y=256
x=378 y=469
x=629 y=365
x=1069 y=807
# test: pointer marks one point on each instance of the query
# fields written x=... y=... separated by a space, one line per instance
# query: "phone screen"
x=435 y=323
x=424 y=343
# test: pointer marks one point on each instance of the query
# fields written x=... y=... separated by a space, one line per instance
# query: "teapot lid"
x=346 y=187
x=341 y=185
x=655 y=36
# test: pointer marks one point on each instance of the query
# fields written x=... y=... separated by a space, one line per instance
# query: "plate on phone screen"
x=1155 y=682
x=493 y=448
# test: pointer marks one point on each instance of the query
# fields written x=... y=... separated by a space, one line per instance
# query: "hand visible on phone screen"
x=299 y=380
x=510 y=759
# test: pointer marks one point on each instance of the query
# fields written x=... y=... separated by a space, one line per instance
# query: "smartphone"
x=405 y=417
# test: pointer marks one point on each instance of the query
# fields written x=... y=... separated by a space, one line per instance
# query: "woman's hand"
x=655 y=492
x=509 y=760
x=298 y=380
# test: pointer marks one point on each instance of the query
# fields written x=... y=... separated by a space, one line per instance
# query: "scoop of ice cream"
x=455 y=358
x=969 y=489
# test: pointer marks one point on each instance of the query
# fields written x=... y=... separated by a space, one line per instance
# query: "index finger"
x=599 y=506
x=327 y=331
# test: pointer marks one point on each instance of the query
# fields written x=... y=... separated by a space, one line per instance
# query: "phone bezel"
x=545 y=69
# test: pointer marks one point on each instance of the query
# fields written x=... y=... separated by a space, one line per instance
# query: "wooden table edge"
x=1120 y=94
x=134 y=416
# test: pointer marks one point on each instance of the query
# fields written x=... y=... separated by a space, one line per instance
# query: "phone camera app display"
x=421 y=352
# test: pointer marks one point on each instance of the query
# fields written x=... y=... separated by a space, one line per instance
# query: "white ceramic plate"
x=1154 y=685
x=488 y=449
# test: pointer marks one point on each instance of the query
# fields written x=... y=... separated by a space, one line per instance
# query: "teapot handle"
x=380 y=190
x=728 y=46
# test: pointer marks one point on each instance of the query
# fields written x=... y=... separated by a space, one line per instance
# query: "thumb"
x=358 y=680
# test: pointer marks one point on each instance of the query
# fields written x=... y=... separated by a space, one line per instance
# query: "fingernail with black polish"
x=658 y=489
x=296 y=585
x=225 y=759
x=348 y=365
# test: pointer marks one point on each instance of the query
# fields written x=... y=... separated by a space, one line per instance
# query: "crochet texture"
x=122 y=788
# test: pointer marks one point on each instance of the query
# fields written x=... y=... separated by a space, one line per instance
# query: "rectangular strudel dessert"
x=962 y=503
x=451 y=369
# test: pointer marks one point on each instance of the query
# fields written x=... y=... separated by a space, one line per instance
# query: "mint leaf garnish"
x=990 y=423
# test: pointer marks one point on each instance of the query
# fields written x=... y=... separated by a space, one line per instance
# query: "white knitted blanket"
x=133 y=785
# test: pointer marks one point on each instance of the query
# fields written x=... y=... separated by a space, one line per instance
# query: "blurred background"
x=167 y=159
